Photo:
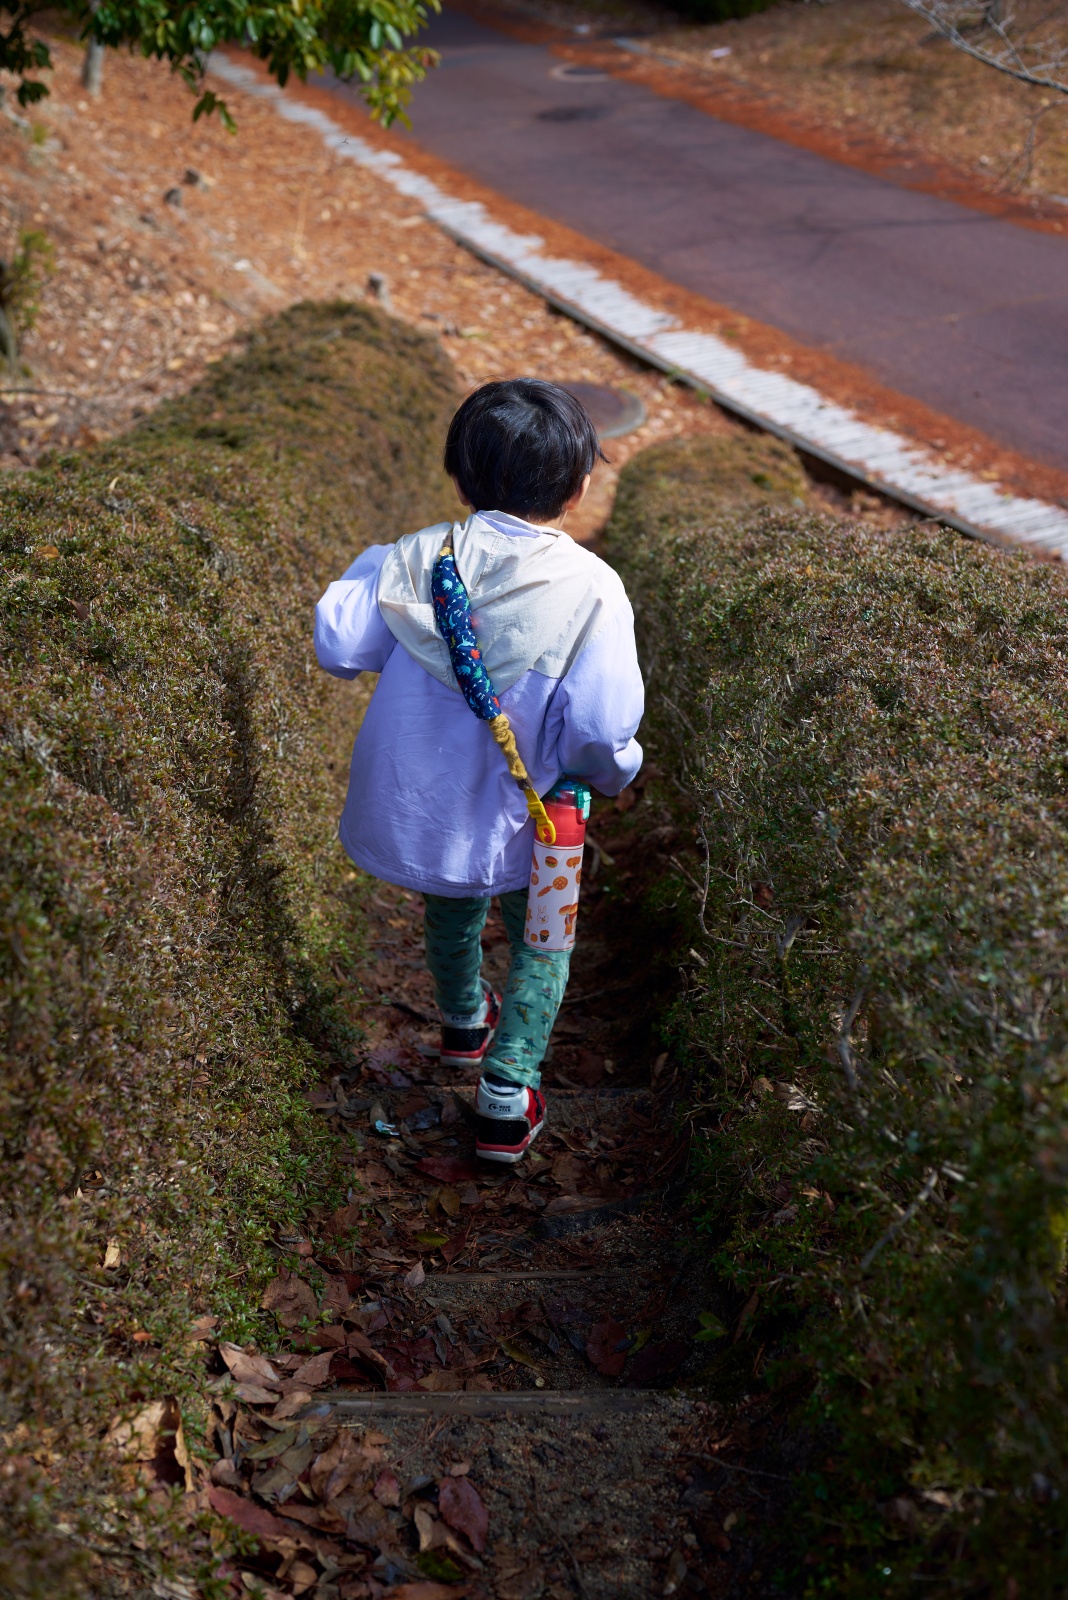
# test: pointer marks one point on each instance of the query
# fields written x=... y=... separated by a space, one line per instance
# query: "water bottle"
x=556 y=870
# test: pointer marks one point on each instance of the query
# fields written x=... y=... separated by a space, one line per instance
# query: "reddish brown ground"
x=145 y=292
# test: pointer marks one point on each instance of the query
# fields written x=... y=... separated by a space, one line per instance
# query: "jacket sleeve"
x=601 y=701
x=350 y=634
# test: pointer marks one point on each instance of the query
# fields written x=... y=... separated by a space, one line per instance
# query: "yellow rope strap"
x=501 y=730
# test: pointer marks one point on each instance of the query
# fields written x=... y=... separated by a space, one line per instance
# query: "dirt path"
x=494 y=1399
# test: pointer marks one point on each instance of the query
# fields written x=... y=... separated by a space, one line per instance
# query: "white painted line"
x=794 y=411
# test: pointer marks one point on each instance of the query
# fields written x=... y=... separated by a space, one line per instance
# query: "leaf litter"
x=436 y=1275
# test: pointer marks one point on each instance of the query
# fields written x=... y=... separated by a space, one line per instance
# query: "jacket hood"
x=537 y=598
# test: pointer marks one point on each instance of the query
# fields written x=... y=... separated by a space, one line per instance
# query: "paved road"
x=962 y=311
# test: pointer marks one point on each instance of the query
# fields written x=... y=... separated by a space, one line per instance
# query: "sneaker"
x=508 y=1118
x=466 y=1046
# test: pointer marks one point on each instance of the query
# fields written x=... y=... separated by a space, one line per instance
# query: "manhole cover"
x=572 y=114
x=575 y=72
x=612 y=411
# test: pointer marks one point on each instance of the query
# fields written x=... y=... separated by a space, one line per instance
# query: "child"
x=431 y=804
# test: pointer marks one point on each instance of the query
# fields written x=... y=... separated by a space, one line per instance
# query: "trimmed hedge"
x=870 y=733
x=177 y=919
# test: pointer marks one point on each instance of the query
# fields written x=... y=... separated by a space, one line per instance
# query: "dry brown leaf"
x=336 y=1296
x=112 y=1256
x=601 y=1347
x=387 y=1488
x=461 y=1506
x=291 y=1299
x=567 y=1172
x=154 y=1437
x=450 y=1202
x=442 y=1381
x=291 y=1404
x=249 y=1369
x=314 y=1373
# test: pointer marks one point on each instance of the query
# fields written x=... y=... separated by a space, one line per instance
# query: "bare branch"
x=998 y=42
x=845 y=1048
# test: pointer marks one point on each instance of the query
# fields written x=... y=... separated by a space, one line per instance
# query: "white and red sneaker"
x=508 y=1118
x=465 y=1040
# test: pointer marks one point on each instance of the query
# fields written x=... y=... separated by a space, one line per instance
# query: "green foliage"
x=177 y=920
x=362 y=39
x=21 y=281
x=868 y=735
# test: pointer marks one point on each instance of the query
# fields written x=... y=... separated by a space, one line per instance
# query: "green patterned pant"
x=532 y=995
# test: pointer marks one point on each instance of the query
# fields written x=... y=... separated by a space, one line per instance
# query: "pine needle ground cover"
x=177 y=921
x=865 y=736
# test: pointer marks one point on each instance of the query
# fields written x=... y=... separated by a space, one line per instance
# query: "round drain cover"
x=575 y=72
x=612 y=411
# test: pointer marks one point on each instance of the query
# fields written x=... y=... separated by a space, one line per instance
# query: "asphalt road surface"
x=962 y=311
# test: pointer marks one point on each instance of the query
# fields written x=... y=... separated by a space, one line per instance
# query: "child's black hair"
x=523 y=446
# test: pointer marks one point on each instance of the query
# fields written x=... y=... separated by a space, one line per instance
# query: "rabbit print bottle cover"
x=556 y=871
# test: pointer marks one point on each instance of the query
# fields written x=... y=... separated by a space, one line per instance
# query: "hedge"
x=866 y=735
x=179 y=926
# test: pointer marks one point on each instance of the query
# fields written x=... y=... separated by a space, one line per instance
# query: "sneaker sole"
x=508 y=1154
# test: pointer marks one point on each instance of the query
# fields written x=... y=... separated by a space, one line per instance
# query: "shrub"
x=176 y=918
x=867 y=734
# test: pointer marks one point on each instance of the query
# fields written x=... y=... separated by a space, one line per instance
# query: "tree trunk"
x=93 y=67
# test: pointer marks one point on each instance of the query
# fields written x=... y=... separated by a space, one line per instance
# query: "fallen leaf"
x=294 y=1402
x=254 y=1395
x=249 y=1369
x=658 y=1361
x=424 y=1527
x=155 y=1438
x=601 y=1347
x=449 y=1169
x=567 y=1171
x=413 y=1279
x=361 y=1349
x=441 y=1381
x=314 y=1373
x=461 y=1506
x=711 y=1328
x=249 y=1516
x=432 y=1240
x=479 y=1384
x=387 y=1488
x=112 y=1256
x=459 y=1469
x=676 y=1572
x=449 y=1200
x=202 y=1328
x=515 y=1352
x=301 y=1576
x=291 y=1300
x=336 y=1296
x=455 y=1247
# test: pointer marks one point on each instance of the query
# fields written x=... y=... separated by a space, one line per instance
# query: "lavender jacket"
x=431 y=805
